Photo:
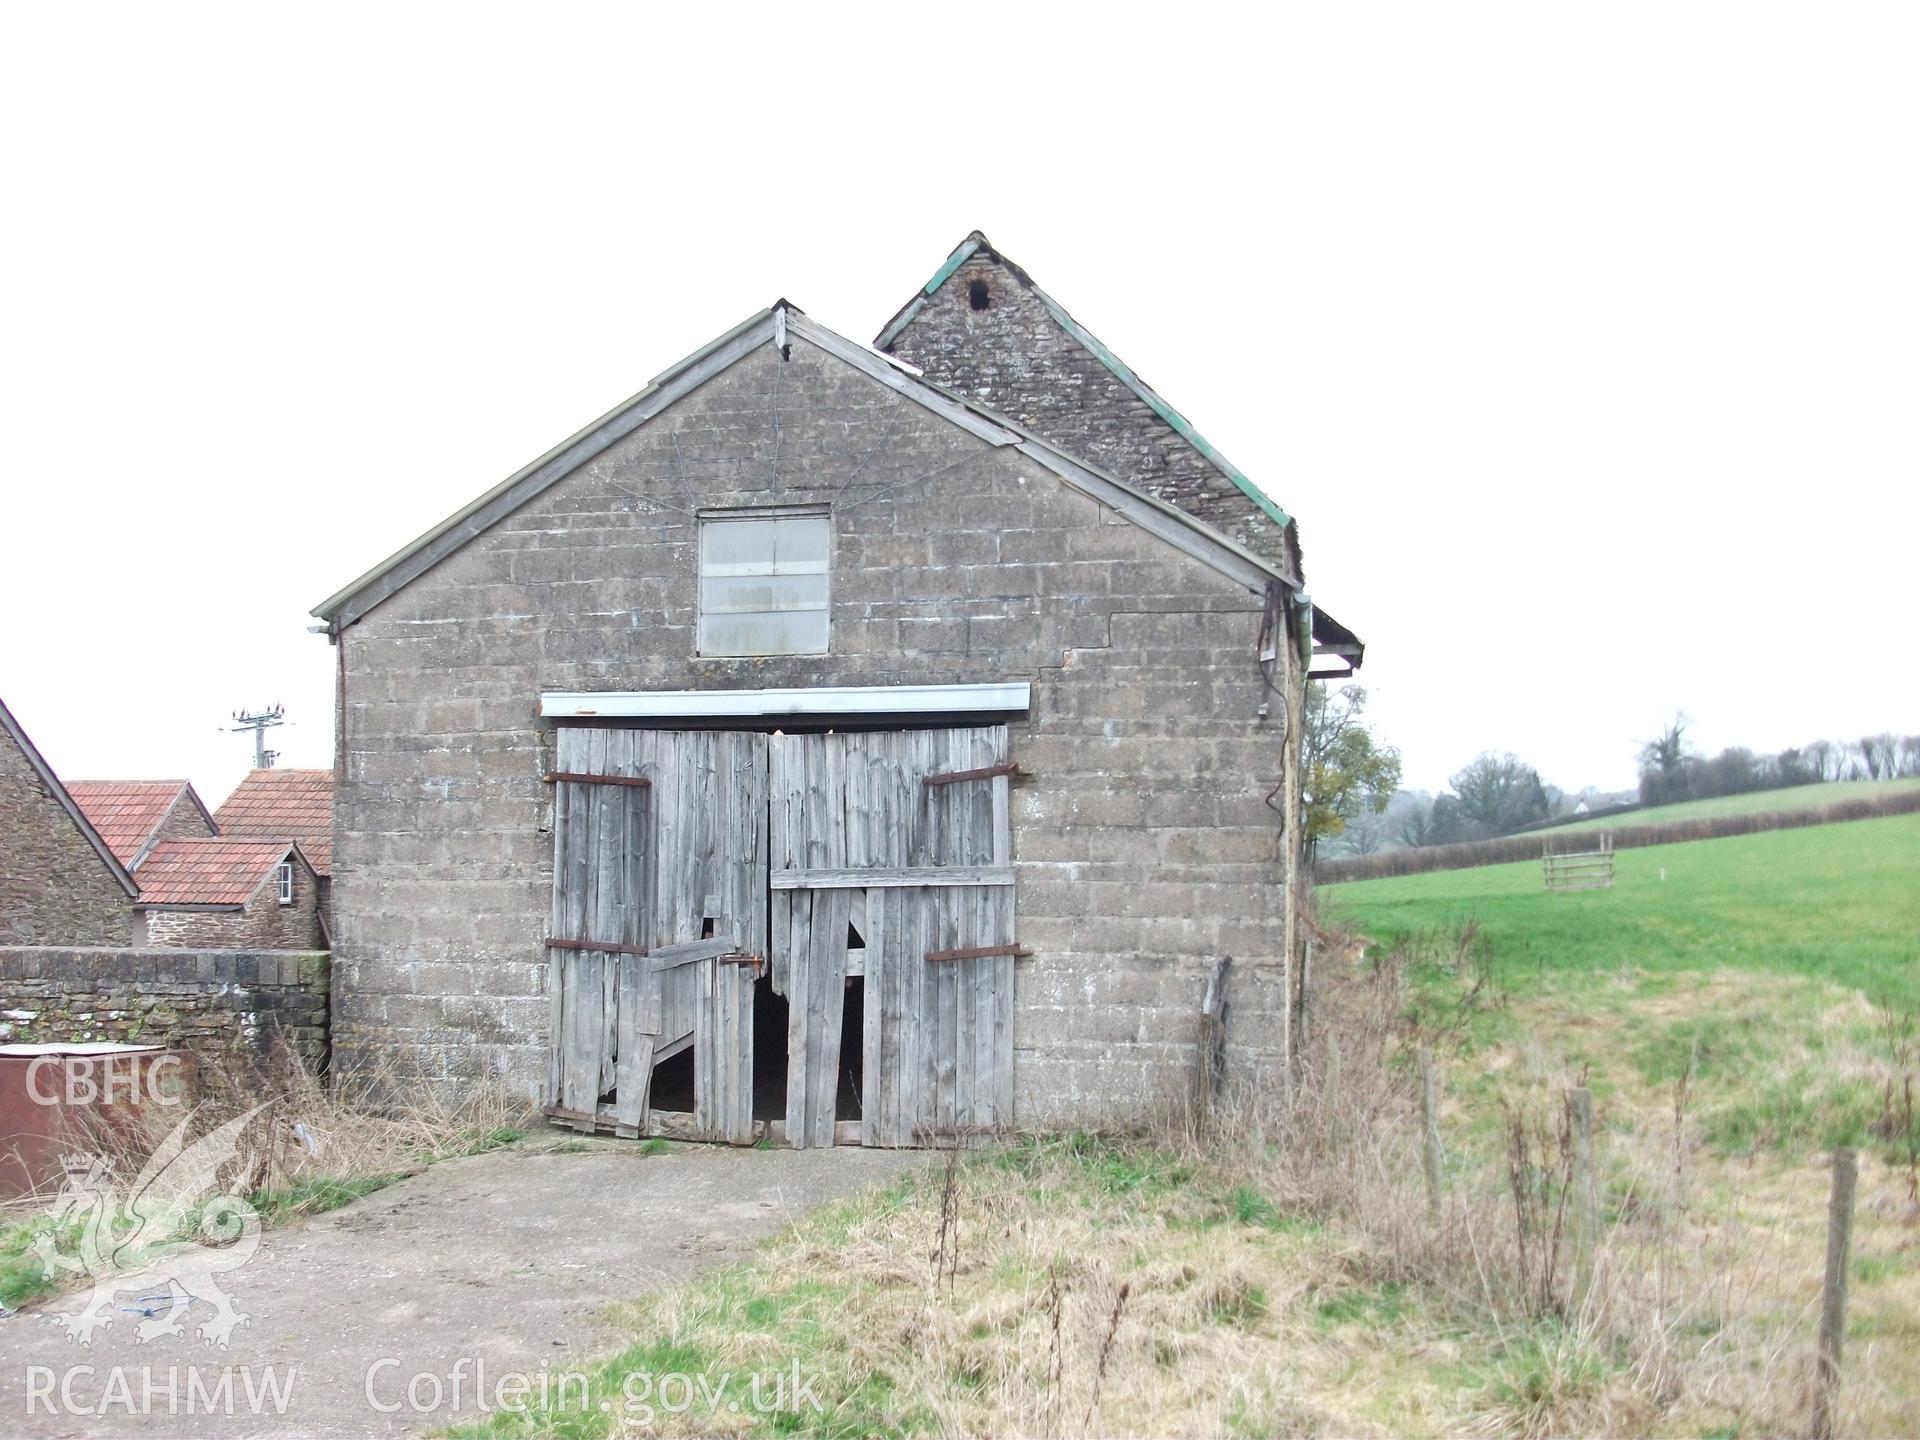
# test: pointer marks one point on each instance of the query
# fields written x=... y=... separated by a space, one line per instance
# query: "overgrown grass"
x=1170 y=1260
x=1283 y=1276
x=1107 y=1285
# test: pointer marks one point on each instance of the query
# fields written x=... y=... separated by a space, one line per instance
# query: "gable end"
x=982 y=327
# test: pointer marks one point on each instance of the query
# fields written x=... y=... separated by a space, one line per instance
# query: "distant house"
x=60 y=881
x=133 y=816
x=229 y=893
x=292 y=805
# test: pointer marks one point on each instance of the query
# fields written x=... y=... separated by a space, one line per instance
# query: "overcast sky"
x=1581 y=342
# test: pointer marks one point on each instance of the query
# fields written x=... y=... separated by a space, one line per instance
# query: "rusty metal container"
x=62 y=1099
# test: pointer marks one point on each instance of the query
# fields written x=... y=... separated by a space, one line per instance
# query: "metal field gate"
x=689 y=865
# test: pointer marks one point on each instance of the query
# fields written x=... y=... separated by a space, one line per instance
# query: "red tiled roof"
x=126 y=812
x=217 y=870
x=284 y=805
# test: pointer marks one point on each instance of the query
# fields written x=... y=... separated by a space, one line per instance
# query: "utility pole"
x=259 y=723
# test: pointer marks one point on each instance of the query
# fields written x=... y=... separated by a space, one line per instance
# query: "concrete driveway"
x=501 y=1261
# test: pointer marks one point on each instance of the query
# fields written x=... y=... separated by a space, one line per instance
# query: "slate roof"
x=216 y=870
x=284 y=805
x=127 y=812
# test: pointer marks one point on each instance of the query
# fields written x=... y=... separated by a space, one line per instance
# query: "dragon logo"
x=172 y=1235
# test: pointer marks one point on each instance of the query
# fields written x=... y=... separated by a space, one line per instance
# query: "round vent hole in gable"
x=978 y=296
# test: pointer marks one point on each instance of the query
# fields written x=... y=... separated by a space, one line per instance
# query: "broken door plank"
x=667 y=957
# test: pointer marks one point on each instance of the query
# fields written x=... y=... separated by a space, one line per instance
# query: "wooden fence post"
x=1833 y=1295
x=1586 y=1192
x=1430 y=1123
x=1213 y=1037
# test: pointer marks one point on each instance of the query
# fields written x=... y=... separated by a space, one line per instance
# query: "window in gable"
x=763 y=583
x=284 y=876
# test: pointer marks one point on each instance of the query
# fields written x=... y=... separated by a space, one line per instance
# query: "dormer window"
x=763 y=582
x=283 y=876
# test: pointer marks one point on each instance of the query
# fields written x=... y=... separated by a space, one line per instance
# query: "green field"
x=1799 y=797
x=1839 y=903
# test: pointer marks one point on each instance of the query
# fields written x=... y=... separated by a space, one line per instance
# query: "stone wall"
x=54 y=887
x=1142 y=843
x=264 y=923
x=185 y=821
x=225 y=1005
x=1014 y=357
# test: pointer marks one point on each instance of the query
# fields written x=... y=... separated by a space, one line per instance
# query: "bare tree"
x=1365 y=834
x=1881 y=755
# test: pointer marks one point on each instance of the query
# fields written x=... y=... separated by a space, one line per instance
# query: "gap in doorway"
x=673 y=1083
x=769 y=1052
x=853 y=1032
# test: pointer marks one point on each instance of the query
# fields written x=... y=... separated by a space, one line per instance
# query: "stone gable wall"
x=54 y=887
x=1142 y=842
x=1014 y=357
x=185 y=822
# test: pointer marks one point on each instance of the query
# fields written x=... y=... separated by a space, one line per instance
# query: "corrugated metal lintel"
x=1001 y=698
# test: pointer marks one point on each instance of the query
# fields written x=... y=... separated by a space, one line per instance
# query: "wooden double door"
x=690 y=866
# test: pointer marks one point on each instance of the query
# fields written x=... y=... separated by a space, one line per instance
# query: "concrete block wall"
x=1142 y=843
x=224 y=1005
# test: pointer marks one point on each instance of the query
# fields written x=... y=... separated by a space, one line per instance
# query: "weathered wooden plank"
x=945 y=988
x=610 y=885
x=800 y=979
x=787 y=845
x=740 y=1129
x=643 y=997
x=817 y=1001
x=996 y=976
x=873 y=924
x=667 y=957
x=634 y=1081
x=576 y=882
x=834 y=753
x=556 y=964
x=876 y=878
x=827 y=1013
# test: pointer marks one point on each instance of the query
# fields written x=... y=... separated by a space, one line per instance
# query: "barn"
x=834 y=746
